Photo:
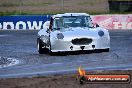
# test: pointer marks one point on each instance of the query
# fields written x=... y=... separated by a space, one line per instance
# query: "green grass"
x=86 y=3
x=9 y=13
x=55 y=12
x=38 y=4
x=91 y=3
x=9 y=4
x=25 y=4
x=42 y=13
x=28 y=13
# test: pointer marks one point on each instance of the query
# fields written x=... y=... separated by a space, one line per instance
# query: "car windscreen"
x=72 y=21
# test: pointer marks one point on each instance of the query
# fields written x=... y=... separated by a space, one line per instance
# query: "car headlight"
x=60 y=36
x=101 y=33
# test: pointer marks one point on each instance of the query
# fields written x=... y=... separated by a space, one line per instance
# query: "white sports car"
x=72 y=32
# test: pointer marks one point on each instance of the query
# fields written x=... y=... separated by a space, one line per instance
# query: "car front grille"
x=81 y=41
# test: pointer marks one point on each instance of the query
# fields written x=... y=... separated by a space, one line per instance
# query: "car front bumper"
x=62 y=45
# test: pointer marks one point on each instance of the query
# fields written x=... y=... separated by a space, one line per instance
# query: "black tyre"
x=106 y=50
x=50 y=52
x=41 y=48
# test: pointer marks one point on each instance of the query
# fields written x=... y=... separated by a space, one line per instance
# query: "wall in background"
x=37 y=22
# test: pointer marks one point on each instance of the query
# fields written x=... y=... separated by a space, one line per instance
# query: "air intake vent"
x=81 y=41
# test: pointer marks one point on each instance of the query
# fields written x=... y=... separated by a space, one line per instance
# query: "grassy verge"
x=25 y=4
x=57 y=12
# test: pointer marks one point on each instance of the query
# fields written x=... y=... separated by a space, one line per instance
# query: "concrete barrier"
x=37 y=22
x=114 y=21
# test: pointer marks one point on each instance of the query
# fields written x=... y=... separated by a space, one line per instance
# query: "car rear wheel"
x=39 y=46
x=106 y=50
x=50 y=52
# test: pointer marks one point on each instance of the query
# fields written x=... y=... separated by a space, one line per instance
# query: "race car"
x=72 y=32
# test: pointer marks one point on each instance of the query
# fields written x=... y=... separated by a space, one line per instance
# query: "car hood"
x=72 y=33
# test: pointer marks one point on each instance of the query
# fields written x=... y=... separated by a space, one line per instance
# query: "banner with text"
x=36 y=22
x=114 y=21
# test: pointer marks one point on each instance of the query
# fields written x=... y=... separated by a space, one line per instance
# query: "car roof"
x=70 y=14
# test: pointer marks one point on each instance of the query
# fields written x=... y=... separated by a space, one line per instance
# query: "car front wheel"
x=39 y=46
x=42 y=49
x=106 y=50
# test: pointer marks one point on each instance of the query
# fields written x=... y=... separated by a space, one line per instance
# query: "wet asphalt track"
x=22 y=46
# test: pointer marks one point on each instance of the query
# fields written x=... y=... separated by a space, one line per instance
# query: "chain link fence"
x=52 y=6
x=120 y=5
x=59 y=6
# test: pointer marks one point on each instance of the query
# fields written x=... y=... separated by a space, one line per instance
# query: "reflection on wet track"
x=22 y=45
